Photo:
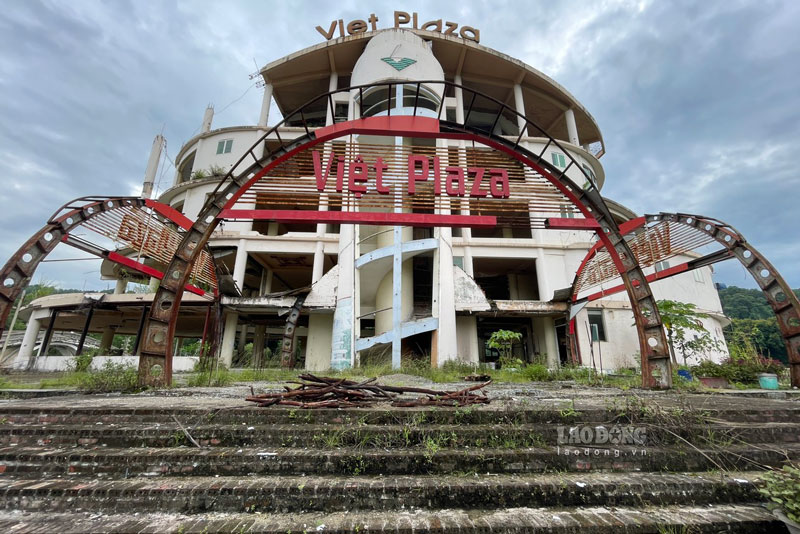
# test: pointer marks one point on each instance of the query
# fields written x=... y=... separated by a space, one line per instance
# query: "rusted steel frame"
x=780 y=296
x=17 y=272
x=290 y=333
x=155 y=363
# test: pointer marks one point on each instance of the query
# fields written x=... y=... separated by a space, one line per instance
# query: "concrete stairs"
x=280 y=471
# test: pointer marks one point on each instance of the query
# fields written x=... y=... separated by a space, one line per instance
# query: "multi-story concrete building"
x=378 y=292
x=502 y=277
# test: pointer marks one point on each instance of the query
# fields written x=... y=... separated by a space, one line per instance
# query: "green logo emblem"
x=401 y=64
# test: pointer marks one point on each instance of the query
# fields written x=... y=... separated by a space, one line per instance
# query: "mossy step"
x=391 y=436
x=330 y=494
x=23 y=462
x=562 y=411
x=729 y=518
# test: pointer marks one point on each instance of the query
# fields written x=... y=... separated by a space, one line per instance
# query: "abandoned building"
x=371 y=292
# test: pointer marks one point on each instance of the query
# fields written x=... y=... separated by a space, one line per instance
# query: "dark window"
x=596 y=325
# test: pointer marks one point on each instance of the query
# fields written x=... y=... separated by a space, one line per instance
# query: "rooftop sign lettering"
x=402 y=19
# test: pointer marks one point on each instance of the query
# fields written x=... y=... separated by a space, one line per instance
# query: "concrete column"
x=121 y=286
x=152 y=167
x=519 y=105
x=318 y=343
x=333 y=84
x=459 y=99
x=106 y=341
x=258 y=346
x=266 y=102
x=25 y=358
x=228 y=339
x=240 y=264
x=153 y=286
x=242 y=339
x=319 y=251
x=572 y=128
x=545 y=292
x=550 y=342
x=342 y=335
x=444 y=304
x=208 y=116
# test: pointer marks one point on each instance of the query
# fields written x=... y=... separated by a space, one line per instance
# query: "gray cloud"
x=697 y=101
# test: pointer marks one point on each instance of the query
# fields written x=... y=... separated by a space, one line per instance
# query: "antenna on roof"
x=257 y=74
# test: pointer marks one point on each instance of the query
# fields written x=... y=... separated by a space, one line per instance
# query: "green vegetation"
x=753 y=318
x=685 y=331
x=783 y=490
x=503 y=341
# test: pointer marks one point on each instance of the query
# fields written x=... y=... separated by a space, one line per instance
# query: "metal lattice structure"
x=270 y=151
x=658 y=237
x=136 y=225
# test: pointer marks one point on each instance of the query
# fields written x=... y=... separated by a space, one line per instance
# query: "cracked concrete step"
x=739 y=518
x=330 y=494
x=228 y=461
x=561 y=412
x=380 y=436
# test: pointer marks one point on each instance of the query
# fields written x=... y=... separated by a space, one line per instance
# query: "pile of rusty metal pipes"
x=325 y=392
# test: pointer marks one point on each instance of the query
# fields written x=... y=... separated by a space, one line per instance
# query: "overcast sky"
x=697 y=101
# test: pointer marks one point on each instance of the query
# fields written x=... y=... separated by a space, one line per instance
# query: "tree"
x=503 y=341
x=685 y=331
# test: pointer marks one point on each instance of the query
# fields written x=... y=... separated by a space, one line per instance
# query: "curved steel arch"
x=780 y=296
x=17 y=272
x=155 y=360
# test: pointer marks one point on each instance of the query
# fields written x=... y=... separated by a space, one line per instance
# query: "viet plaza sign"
x=450 y=179
x=402 y=19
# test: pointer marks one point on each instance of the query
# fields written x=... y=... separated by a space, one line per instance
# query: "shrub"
x=536 y=373
x=710 y=369
x=83 y=362
x=783 y=490
x=111 y=377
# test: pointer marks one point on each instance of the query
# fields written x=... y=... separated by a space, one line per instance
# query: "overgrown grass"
x=112 y=377
x=449 y=372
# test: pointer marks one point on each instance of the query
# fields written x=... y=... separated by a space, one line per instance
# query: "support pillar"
x=550 y=342
x=85 y=331
x=121 y=286
x=48 y=334
x=444 y=307
x=240 y=265
x=342 y=338
x=519 y=105
x=266 y=102
x=228 y=339
x=572 y=128
x=25 y=357
x=333 y=84
x=145 y=311
x=106 y=341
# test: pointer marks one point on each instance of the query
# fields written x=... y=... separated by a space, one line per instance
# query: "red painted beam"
x=565 y=223
x=666 y=273
x=382 y=125
x=170 y=213
x=149 y=271
x=362 y=217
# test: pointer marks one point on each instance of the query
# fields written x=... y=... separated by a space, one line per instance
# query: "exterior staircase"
x=103 y=465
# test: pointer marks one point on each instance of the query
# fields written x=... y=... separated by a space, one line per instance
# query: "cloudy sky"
x=697 y=101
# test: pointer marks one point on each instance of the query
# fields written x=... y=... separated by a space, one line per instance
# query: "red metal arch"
x=155 y=362
x=18 y=271
x=781 y=298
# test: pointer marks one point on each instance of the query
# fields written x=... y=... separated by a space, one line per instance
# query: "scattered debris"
x=477 y=378
x=326 y=392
